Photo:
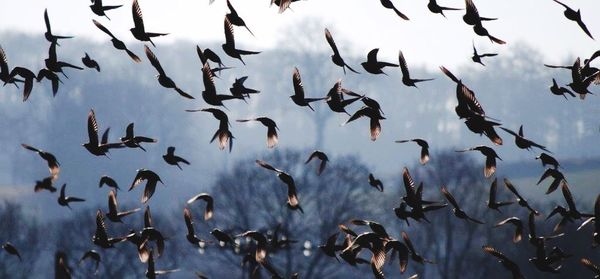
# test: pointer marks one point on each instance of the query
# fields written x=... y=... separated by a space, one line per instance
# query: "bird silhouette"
x=94 y=256
x=139 y=31
x=322 y=157
x=437 y=9
x=507 y=263
x=413 y=252
x=61 y=267
x=518 y=227
x=64 y=200
x=389 y=5
x=229 y=45
x=118 y=44
x=132 y=141
x=298 y=97
x=374 y=117
x=292 y=202
x=477 y=57
x=240 y=91
x=272 y=137
x=223 y=134
x=376 y=183
x=53 y=64
x=283 y=4
x=471 y=16
x=559 y=90
x=209 y=95
x=557 y=176
x=28 y=77
x=11 y=249
x=575 y=16
x=100 y=237
x=99 y=9
x=373 y=66
x=548 y=160
x=492 y=203
x=458 y=212
x=520 y=200
x=52 y=77
x=53 y=39
x=490 y=159
x=424 y=149
x=234 y=18
x=191 y=233
x=151 y=271
x=113 y=213
x=336 y=57
x=151 y=179
x=5 y=70
x=44 y=184
x=335 y=98
x=89 y=62
x=330 y=246
x=162 y=77
x=209 y=210
x=521 y=141
x=53 y=165
x=93 y=146
x=406 y=79
x=173 y=159
x=108 y=181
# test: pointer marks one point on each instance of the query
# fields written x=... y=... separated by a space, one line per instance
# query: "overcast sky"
x=358 y=25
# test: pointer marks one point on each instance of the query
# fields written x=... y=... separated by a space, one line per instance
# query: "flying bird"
x=151 y=271
x=507 y=263
x=575 y=16
x=389 y=5
x=336 y=56
x=108 y=181
x=223 y=134
x=548 y=160
x=113 y=213
x=93 y=146
x=5 y=69
x=209 y=210
x=162 y=77
x=151 y=179
x=559 y=90
x=471 y=16
x=492 y=203
x=92 y=255
x=99 y=9
x=437 y=9
x=28 y=77
x=235 y=19
x=239 y=90
x=413 y=252
x=376 y=183
x=322 y=157
x=458 y=212
x=132 y=141
x=64 y=200
x=424 y=149
x=191 y=232
x=53 y=64
x=335 y=98
x=490 y=159
x=89 y=62
x=521 y=141
x=477 y=57
x=518 y=227
x=272 y=137
x=45 y=184
x=229 y=45
x=330 y=246
x=374 y=117
x=52 y=77
x=373 y=66
x=556 y=175
x=292 y=202
x=209 y=95
x=406 y=79
x=138 y=30
x=283 y=4
x=173 y=159
x=520 y=200
x=11 y=249
x=298 y=97
x=100 y=237
x=118 y=44
x=53 y=165
x=49 y=36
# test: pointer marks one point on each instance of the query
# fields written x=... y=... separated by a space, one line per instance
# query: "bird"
x=151 y=179
x=424 y=149
x=492 y=203
x=261 y=244
x=89 y=62
x=581 y=82
x=209 y=95
x=591 y=266
x=520 y=200
x=108 y=181
x=93 y=146
x=162 y=77
x=406 y=79
x=570 y=214
x=113 y=213
x=336 y=57
x=547 y=160
x=403 y=253
x=376 y=183
x=132 y=141
x=223 y=134
x=322 y=157
x=299 y=97
x=151 y=271
x=373 y=66
x=389 y=5
x=272 y=137
x=239 y=90
x=437 y=9
x=11 y=249
x=52 y=77
x=99 y=9
x=28 y=77
x=235 y=19
x=138 y=31
x=458 y=212
x=375 y=227
x=209 y=210
x=53 y=64
x=575 y=16
x=229 y=45
x=223 y=237
x=100 y=237
x=521 y=141
x=292 y=201
x=208 y=55
x=283 y=4
x=64 y=200
x=507 y=263
x=558 y=178
x=480 y=125
x=373 y=243
x=481 y=31
x=374 y=117
x=490 y=158
x=477 y=57
x=61 y=268
x=471 y=16
x=413 y=253
x=49 y=36
x=53 y=165
x=330 y=247
x=92 y=255
x=559 y=90
x=5 y=69
x=191 y=234
x=44 y=184
x=518 y=227
x=118 y=44
x=335 y=98
x=173 y=159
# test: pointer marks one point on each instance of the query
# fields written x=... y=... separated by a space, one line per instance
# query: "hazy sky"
x=358 y=25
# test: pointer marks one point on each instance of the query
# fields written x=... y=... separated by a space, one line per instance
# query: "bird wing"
x=103 y=29
x=187 y=215
x=229 y=38
x=568 y=196
x=297 y=81
x=403 y=67
x=331 y=42
x=92 y=126
x=208 y=79
x=113 y=206
x=511 y=188
x=372 y=55
x=449 y=197
x=3 y=61
x=153 y=60
x=47 y=21
x=138 y=19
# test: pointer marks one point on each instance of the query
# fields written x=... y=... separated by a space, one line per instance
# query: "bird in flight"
x=229 y=45
x=223 y=134
x=49 y=36
x=53 y=165
x=173 y=159
x=373 y=66
x=99 y=9
x=437 y=9
x=322 y=157
x=389 y=5
x=235 y=19
x=406 y=79
x=374 y=118
x=90 y=63
x=521 y=141
x=492 y=203
x=575 y=16
x=209 y=210
x=424 y=149
x=93 y=146
x=559 y=90
x=298 y=97
x=336 y=56
x=151 y=179
x=376 y=183
x=477 y=57
x=118 y=44
x=272 y=137
x=292 y=201
x=138 y=30
x=162 y=77
x=132 y=141
x=64 y=200
x=490 y=158
x=458 y=212
x=113 y=213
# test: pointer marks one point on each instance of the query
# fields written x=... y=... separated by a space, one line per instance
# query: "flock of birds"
x=150 y=242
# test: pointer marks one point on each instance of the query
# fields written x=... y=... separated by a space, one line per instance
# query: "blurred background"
x=513 y=87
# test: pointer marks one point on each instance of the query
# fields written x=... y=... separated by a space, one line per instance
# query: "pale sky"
x=357 y=25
